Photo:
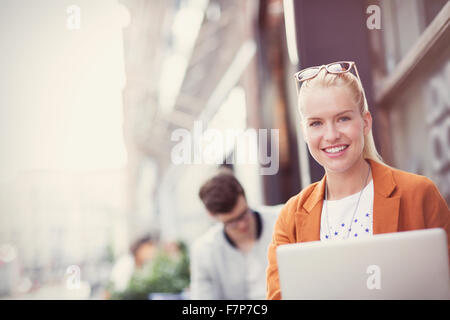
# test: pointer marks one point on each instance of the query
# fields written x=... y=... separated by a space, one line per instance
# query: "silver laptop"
x=402 y=265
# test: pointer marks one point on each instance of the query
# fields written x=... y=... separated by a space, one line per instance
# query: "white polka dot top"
x=340 y=213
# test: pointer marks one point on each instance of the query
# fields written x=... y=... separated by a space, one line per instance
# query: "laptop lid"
x=402 y=265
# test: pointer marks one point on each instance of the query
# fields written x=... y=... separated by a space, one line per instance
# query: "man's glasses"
x=334 y=68
x=234 y=222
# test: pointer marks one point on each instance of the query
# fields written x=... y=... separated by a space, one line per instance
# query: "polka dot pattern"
x=342 y=224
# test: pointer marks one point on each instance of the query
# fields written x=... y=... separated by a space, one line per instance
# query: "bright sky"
x=61 y=89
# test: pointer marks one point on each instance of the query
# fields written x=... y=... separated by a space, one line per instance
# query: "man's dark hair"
x=220 y=193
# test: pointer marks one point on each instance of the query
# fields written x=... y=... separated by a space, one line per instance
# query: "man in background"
x=230 y=260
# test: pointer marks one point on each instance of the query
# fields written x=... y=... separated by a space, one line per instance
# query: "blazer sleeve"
x=283 y=234
x=436 y=212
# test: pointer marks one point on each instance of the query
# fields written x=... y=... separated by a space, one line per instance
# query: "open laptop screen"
x=402 y=265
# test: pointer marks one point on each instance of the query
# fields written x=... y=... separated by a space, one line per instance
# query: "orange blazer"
x=402 y=201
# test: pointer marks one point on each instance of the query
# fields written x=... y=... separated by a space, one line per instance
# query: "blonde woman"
x=359 y=195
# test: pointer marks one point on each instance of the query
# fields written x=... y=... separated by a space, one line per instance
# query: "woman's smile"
x=336 y=150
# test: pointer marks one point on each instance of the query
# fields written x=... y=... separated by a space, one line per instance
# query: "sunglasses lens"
x=339 y=67
x=307 y=74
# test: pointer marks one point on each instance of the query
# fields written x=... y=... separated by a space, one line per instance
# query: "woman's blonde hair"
x=347 y=80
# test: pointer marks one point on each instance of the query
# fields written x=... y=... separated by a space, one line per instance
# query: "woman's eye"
x=344 y=118
x=314 y=124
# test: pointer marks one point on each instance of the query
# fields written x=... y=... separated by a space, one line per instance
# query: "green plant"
x=164 y=274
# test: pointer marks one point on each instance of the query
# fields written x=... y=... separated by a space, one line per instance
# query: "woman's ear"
x=367 y=120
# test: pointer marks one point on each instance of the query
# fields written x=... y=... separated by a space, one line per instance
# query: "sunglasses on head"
x=334 y=68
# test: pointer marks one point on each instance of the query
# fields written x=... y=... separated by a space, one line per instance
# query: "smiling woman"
x=359 y=196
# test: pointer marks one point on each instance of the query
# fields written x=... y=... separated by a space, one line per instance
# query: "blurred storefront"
x=411 y=72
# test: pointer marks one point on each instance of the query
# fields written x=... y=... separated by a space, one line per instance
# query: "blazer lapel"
x=385 y=207
x=308 y=216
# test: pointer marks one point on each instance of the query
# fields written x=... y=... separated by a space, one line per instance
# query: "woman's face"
x=334 y=128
